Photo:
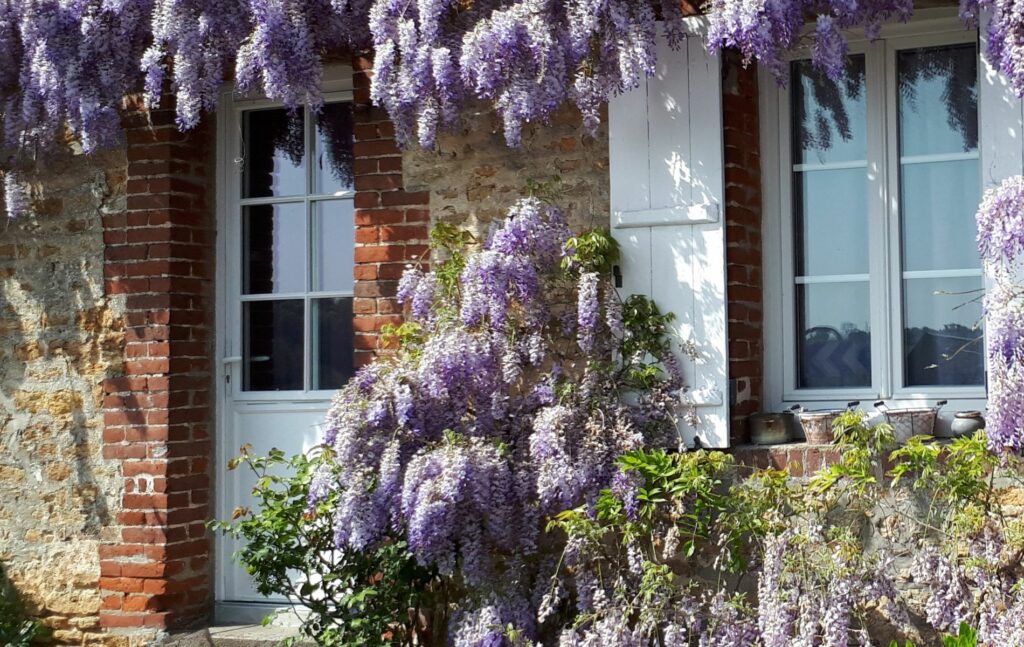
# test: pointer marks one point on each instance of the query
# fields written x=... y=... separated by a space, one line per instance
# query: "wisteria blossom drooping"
x=466 y=437
x=1001 y=244
x=69 y=63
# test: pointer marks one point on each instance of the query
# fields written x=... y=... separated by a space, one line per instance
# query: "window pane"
x=941 y=345
x=938 y=202
x=938 y=116
x=938 y=89
x=332 y=342
x=831 y=224
x=274 y=149
x=829 y=117
x=333 y=152
x=272 y=359
x=274 y=248
x=834 y=341
x=333 y=246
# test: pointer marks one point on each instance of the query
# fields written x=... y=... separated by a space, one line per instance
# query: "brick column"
x=158 y=415
x=745 y=287
x=391 y=223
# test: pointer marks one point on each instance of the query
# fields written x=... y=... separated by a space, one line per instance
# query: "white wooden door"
x=286 y=286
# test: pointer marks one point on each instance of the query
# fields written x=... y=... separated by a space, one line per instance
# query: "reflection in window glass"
x=298 y=245
x=939 y=193
x=830 y=220
x=333 y=149
x=332 y=342
x=834 y=344
x=942 y=341
x=272 y=343
x=938 y=202
x=938 y=88
x=274 y=248
x=829 y=117
x=333 y=246
x=273 y=145
x=831 y=224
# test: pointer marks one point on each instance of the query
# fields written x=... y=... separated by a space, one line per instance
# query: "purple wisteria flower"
x=1001 y=242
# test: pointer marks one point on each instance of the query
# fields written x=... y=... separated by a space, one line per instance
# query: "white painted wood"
x=1001 y=138
x=292 y=428
x=692 y=214
x=668 y=116
x=665 y=151
x=630 y=172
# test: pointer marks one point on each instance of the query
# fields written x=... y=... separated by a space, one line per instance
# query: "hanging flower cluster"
x=1001 y=245
x=70 y=62
x=525 y=56
x=482 y=422
x=979 y=585
x=764 y=30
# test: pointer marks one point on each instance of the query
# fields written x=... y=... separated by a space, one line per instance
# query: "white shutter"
x=1001 y=135
x=665 y=148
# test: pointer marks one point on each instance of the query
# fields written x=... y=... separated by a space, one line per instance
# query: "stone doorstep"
x=234 y=636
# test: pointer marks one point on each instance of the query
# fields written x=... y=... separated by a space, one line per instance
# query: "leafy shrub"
x=352 y=598
x=16 y=628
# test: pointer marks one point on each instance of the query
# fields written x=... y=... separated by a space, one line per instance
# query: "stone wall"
x=474 y=177
x=60 y=337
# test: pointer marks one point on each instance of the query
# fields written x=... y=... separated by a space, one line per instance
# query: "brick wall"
x=157 y=414
x=392 y=223
x=743 y=241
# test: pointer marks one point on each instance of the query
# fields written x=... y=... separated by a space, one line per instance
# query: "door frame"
x=336 y=84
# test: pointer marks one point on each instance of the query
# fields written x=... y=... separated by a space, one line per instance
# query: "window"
x=878 y=182
x=297 y=243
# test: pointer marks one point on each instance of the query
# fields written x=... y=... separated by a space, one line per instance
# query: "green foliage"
x=684 y=491
x=956 y=473
x=408 y=335
x=669 y=480
x=452 y=242
x=862 y=447
x=645 y=340
x=16 y=628
x=592 y=251
x=966 y=637
x=353 y=598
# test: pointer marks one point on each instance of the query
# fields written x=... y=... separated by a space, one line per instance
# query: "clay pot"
x=965 y=423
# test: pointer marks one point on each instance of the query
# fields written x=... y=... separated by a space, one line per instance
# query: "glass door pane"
x=273 y=153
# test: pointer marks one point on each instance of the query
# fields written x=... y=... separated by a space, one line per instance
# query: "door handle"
x=234 y=359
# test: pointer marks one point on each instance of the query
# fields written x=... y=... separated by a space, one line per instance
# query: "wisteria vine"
x=482 y=423
x=69 y=63
x=1001 y=245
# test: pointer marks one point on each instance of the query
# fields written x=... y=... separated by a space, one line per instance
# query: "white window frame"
x=929 y=28
x=336 y=87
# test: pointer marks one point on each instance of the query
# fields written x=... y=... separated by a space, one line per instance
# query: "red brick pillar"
x=391 y=223
x=158 y=416
x=743 y=241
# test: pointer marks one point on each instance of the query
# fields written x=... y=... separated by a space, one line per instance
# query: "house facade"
x=168 y=302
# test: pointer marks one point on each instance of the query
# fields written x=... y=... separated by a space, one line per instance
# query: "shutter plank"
x=668 y=113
